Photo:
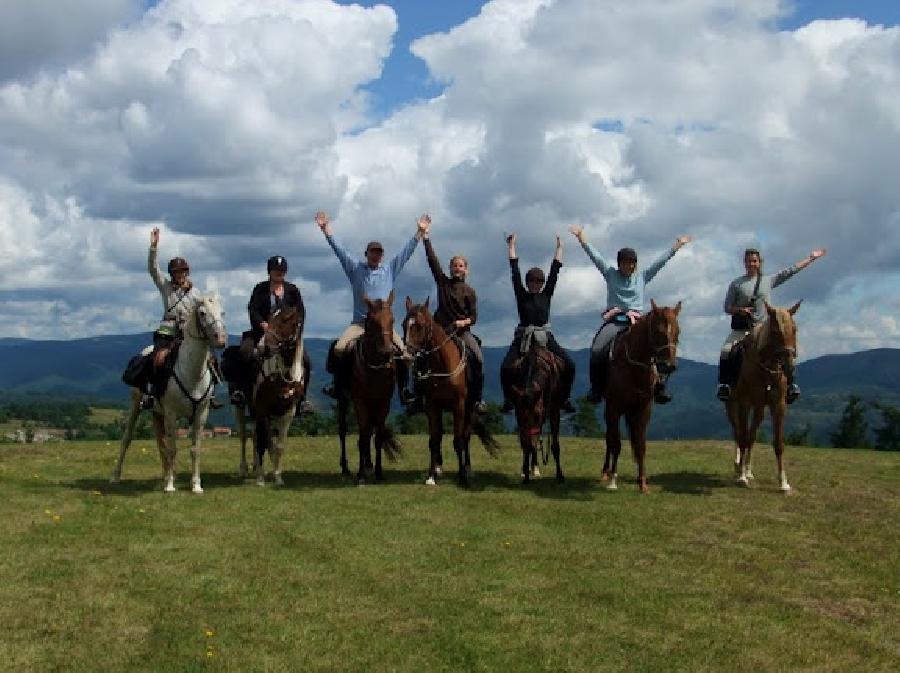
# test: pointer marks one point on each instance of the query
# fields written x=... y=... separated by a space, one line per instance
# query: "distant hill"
x=91 y=368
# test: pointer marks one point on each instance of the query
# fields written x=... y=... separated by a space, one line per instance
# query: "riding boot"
x=726 y=379
x=401 y=369
x=598 y=371
x=793 y=390
x=477 y=389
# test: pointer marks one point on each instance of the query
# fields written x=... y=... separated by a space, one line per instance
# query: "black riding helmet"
x=626 y=254
x=276 y=263
x=178 y=264
x=534 y=273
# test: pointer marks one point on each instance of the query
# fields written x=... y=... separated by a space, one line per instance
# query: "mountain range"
x=91 y=368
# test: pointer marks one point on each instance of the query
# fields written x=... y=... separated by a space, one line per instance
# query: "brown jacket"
x=455 y=300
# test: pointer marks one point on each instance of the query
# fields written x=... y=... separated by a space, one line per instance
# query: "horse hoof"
x=737 y=469
x=243 y=472
x=536 y=473
x=168 y=489
x=438 y=471
x=560 y=479
x=197 y=489
x=743 y=481
x=278 y=480
x=260 y=481
x=430 y=482
x=604 y=476
x=750 y=475
x=114 y=479
x=786 y=488
x=612 y=487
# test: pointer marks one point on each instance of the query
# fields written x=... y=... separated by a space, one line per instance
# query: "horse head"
x=284 y=327
x=781 y=333
x=418 y=326
x=379 y=326
x=208 y=318
x=664 y=332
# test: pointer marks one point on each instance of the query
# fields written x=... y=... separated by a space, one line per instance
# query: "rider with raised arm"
x=179 y=297
x=267 y=297
x=370 y=278
x=625 y=301
x=533 y=305
x=745 y=301
x=456 y=312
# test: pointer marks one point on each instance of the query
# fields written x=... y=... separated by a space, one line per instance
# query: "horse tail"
x=391 y=446
x=490 y=444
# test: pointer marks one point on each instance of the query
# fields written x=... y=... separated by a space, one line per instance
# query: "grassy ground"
x=699 y=575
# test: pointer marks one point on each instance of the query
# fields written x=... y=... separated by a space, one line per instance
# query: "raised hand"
x=424 y=225
x=577 y=231
x=154 y=236
x=818 y=252
x=511 y=239
x=683 y=240
x=323 y=222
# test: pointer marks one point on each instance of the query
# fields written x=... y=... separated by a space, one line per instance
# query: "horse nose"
x=667 y=366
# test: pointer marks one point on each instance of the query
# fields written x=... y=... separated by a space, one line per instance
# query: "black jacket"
x=534 y=309
x=260 y=306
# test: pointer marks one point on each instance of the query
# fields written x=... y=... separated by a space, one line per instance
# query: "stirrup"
x=236 y=397
x=723 y=392
x=507 y=407
x=793 y=392
x=146 y=402
x=214 y=403
x=480 y=406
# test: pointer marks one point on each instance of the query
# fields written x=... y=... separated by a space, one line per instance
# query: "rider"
x=179 y=297
x=267 y=297
x=456 y=312
x=745 y=302
x=370 y=278
x=624 y=296
x=533 y=305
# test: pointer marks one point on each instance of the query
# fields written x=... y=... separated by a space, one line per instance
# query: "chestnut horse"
x=762 y=383
x=281 y=382
x=639 y=355
x=537 y=397
x=372 y=376
x=444 y=377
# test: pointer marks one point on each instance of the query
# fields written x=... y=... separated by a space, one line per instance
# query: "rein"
x=435 y=349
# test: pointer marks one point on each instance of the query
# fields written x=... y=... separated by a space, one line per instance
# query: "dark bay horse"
x=281 y=382
x=444 y=376
x=762 y=383
x=537 y=397
x=639 y=355
x=372 y=376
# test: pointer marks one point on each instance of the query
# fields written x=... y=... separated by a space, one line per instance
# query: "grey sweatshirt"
x=177 y=302
x=740 y=292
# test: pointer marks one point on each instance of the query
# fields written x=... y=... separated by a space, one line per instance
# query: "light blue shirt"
x=626 y=292
x=374 y=283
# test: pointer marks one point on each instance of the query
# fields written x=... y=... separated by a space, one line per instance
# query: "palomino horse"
x=444 y=377
x=640 y=354
x=187 y=393
x=537 y=401
x=371 y=366
x=761 y=383
x=280 y=384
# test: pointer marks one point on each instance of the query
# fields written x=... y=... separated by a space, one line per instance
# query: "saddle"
x=144 y=369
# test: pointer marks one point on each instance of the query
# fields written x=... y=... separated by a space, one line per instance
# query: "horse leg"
x=554 y=444
x=613 y=447
x=262 y=442
x=637 y=433
x=196 y=434
x=342 y=434
x=731 y=412
x=164 y=428
x=279 y=442
x=525 y=443
x=777 y=410
x=435 y=433
x=459 y=413
x=130 y=422
x=364 y=444
x=241 y=422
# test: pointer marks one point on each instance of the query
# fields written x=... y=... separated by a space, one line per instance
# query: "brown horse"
x=372 y=376
x=281 y=382
x=762 y=383
x=537 y=399
x=445 y=387
x=640 y=354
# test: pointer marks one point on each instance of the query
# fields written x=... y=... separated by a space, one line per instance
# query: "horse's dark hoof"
x=559 y=478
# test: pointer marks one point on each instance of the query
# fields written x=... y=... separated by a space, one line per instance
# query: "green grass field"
x=699 y=575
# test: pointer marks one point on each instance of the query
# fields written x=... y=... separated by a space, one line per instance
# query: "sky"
x=229 y=123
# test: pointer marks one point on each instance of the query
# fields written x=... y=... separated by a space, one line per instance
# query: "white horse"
x=187 y=393
x=275 y=394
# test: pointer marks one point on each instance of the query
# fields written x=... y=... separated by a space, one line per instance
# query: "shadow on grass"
x=688 y=483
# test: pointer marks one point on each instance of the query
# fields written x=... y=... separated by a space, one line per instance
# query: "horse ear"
x=769 y=309
x=678 y=307
x=367 y=301
x=427 y=299
x=409 y=304
x=652 y=304
x=793 y=309
x=390 y=299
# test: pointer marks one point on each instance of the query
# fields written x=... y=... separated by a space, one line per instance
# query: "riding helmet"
x=277 y=263
x=626 y=254
x=178 y=264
